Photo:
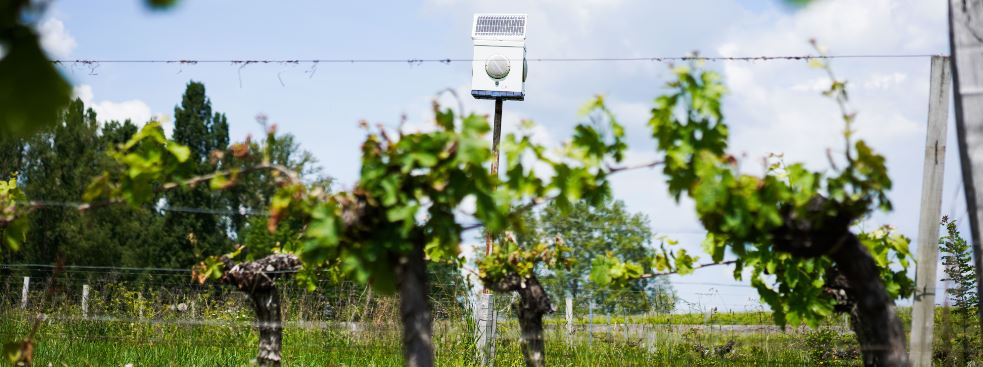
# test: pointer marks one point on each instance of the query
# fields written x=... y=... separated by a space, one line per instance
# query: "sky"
x=773 y=106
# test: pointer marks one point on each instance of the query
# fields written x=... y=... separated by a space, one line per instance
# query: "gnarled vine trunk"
x=414 y=309
x=257 y=280
x=266 y=305
x=856 y=282
x=533 y=303
x=873 y=315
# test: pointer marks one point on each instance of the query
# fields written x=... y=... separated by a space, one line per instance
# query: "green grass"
x=77 y=342
x=143 y=329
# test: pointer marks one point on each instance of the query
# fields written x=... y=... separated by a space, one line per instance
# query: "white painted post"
x=486 y=339
x=590 y=321
x=965 y=28
x=486 y=329
x=624 y=315
x=923 y=310
x=23 y=292
x=569 y=305
x=85 y=301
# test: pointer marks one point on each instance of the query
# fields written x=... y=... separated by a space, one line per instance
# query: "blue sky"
x=773 y=106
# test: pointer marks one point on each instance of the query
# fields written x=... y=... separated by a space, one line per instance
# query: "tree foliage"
x=957 y=263
x=594 y=232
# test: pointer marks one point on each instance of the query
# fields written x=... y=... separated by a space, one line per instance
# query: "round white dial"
x=497 y=67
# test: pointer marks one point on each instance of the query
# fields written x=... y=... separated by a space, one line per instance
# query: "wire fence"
x=162 y=309
x=129 y=310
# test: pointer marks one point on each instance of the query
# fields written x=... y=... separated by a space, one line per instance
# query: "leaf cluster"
x=611 y=271
x=148 y=159
x=509 y=258
x=743 y=212
x=13 y=222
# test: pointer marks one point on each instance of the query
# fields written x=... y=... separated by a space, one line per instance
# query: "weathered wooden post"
x=23 y=292
x=590 y=321
x=923 y=310
x=85 y=301
x=569 y=314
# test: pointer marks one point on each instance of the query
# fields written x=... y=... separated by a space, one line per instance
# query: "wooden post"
x=923 y=310
x=569 y=304
x=590 y=321
x=23 y=292
x=965 y=28
x=85 y=301
x=486 y=325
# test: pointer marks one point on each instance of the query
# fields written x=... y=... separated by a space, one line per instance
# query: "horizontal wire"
x=451 y=60
x=166 y=208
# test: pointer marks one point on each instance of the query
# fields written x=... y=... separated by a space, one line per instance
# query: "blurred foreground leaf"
x=32 y=91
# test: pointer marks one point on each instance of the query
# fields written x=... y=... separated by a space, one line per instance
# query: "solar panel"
x=500 y=25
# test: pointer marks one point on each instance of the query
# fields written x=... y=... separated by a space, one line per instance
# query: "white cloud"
x=134 y=110
x=55 y=39
x=884 y=81
x=777 y=106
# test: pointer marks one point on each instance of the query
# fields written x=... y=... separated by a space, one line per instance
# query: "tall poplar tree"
x=191 y=234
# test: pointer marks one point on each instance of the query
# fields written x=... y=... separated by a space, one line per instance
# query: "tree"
x=193 y=235
x=957 y=263
x=595 y=230
x=53 y=168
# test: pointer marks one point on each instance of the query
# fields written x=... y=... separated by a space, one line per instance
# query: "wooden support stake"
x=965 y=28
x=23 y=292
x=569 y=304
x=923 y=313
x=85 y=301
x=590 y=321
x=486 y=324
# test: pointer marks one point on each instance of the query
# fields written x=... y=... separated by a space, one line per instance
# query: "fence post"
x=486 y=329
x=569 y=305
x=923 y=310
x=23 y=292
x=624 y=315
x=590 y=321
x=85 y=301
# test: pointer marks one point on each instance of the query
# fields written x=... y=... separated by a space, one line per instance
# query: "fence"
x=127 y=315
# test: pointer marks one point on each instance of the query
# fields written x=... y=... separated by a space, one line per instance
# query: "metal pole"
x=923 y=310
x=965 y=28
x=486 y=340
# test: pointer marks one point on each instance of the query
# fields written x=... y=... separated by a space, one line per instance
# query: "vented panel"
x=500 y=25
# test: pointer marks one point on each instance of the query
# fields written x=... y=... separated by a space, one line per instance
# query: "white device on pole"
x=498 y=69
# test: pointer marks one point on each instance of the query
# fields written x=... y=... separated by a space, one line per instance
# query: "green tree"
x=59 y=163
x=957 y=263
x=53 y=167
x=195 y=234
x=595 y=230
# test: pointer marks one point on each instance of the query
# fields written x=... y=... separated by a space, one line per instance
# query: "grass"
x=353 y=328
x=77 y=342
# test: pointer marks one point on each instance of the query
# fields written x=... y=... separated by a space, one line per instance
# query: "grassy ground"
x=148 y=328
x=116 y=343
